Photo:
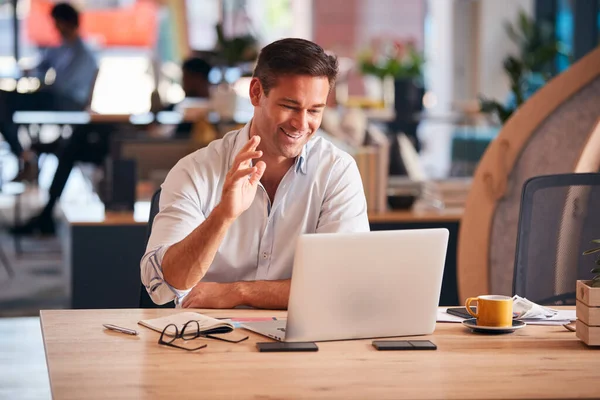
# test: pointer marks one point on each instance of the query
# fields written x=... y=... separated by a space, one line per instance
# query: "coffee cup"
x=492 y=310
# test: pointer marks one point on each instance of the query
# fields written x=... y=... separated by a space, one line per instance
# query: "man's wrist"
x=223 y=215
x=239 y=290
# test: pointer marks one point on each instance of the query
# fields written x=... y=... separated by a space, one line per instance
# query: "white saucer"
x=472 y=324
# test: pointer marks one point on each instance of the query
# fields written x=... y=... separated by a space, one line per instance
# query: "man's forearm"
x=272 y=295
x=187 y=261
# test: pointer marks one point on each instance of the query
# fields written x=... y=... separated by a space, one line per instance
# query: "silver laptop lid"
x=363 y=285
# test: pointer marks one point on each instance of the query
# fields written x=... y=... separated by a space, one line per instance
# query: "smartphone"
x=404 y=345
x=461 y=312
x=286 y=346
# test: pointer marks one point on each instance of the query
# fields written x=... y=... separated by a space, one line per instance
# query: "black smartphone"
x=286 y=346
x=461 y=312
x=404 y=345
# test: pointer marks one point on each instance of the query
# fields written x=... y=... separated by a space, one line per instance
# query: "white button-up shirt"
x=321 y=192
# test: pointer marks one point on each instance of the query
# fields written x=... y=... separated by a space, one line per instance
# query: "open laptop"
x=362 y=285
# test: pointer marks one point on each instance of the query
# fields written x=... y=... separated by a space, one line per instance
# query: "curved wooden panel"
x=491 y=177
x=589 y=161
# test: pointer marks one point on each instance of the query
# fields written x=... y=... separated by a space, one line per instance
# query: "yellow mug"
x=492 y=310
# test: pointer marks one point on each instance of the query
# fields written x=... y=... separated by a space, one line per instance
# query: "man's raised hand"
x=242 y=180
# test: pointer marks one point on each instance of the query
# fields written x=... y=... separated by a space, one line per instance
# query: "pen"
x=119 y=329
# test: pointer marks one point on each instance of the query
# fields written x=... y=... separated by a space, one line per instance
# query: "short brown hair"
x=294 y=57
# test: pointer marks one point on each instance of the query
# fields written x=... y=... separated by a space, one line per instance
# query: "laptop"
x=362 y=285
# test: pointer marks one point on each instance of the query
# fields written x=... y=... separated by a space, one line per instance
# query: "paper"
x=525 y=309
x=207 y=325
x=443 y=316
x=560 y=318
x=238 y=322
x=534 y=314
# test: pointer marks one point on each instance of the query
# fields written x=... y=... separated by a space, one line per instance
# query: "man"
x=74 y=69
x=230 y=213
x=91 y=144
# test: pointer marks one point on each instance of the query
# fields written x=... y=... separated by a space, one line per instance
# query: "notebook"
x=208 y=325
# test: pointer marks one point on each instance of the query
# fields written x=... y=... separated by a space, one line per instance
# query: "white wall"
x=467 y=46
x=402 y=19
x=302 y=12
x=439 y=54
x=494 y=44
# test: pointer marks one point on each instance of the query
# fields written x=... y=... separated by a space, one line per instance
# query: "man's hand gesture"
x=242 y=180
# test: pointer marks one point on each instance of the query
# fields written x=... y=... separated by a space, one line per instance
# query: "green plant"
x=236 y=50
x=595 y=282
x=538 y=48
x=396 y=58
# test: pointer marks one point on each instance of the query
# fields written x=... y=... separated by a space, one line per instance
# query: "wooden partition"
x=529 y=144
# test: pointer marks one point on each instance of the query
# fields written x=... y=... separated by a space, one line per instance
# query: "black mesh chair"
x=559 y=217
x=145 y=300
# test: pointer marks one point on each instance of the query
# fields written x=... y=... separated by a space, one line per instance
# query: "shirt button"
x=265 y=255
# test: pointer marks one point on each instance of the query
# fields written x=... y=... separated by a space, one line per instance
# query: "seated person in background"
x=91 y=144
x=195 y=85
x=230 y=213
x=75 y=69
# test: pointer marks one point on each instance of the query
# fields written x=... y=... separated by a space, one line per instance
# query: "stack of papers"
x=534 y=314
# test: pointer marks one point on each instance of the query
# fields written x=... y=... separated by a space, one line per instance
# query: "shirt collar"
x=244 y=135
x=301 y=159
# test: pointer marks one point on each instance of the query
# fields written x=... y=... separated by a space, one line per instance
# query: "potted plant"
x=398 y=65
x=588 y=302
x=237 y=52
x=531 y=69
x=234 y=51
x=399 y=61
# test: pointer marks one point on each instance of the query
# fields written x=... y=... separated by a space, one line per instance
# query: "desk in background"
x=102 y=254
x=86 y=361
x=102 y=246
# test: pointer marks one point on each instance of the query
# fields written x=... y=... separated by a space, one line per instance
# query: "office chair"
x=558 y=219
x=145 y=300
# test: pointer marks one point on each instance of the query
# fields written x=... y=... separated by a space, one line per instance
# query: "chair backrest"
x=558 y=220
x=88 y=105
x=549 y=134
x=145 y=300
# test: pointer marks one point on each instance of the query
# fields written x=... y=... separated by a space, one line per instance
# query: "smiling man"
x=230 y=213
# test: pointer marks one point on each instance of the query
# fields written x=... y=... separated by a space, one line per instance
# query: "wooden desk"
x=417 y=216
x=86 y=361
x=92 y=214
x=79 y=118
x=101 y=244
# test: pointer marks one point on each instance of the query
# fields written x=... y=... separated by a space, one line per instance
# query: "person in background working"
x=91 y=144
x=195 y=85
x=74 y=68
x=230 y=213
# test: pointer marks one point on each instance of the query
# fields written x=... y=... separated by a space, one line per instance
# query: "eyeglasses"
x=190 y=331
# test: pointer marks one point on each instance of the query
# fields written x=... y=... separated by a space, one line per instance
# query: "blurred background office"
x=424 y=87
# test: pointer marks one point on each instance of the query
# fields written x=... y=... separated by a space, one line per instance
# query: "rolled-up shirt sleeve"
x=344 y=208
x=180 y=212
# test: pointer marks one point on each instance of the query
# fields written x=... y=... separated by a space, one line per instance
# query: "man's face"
x=66 y=30
x=288 y=117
